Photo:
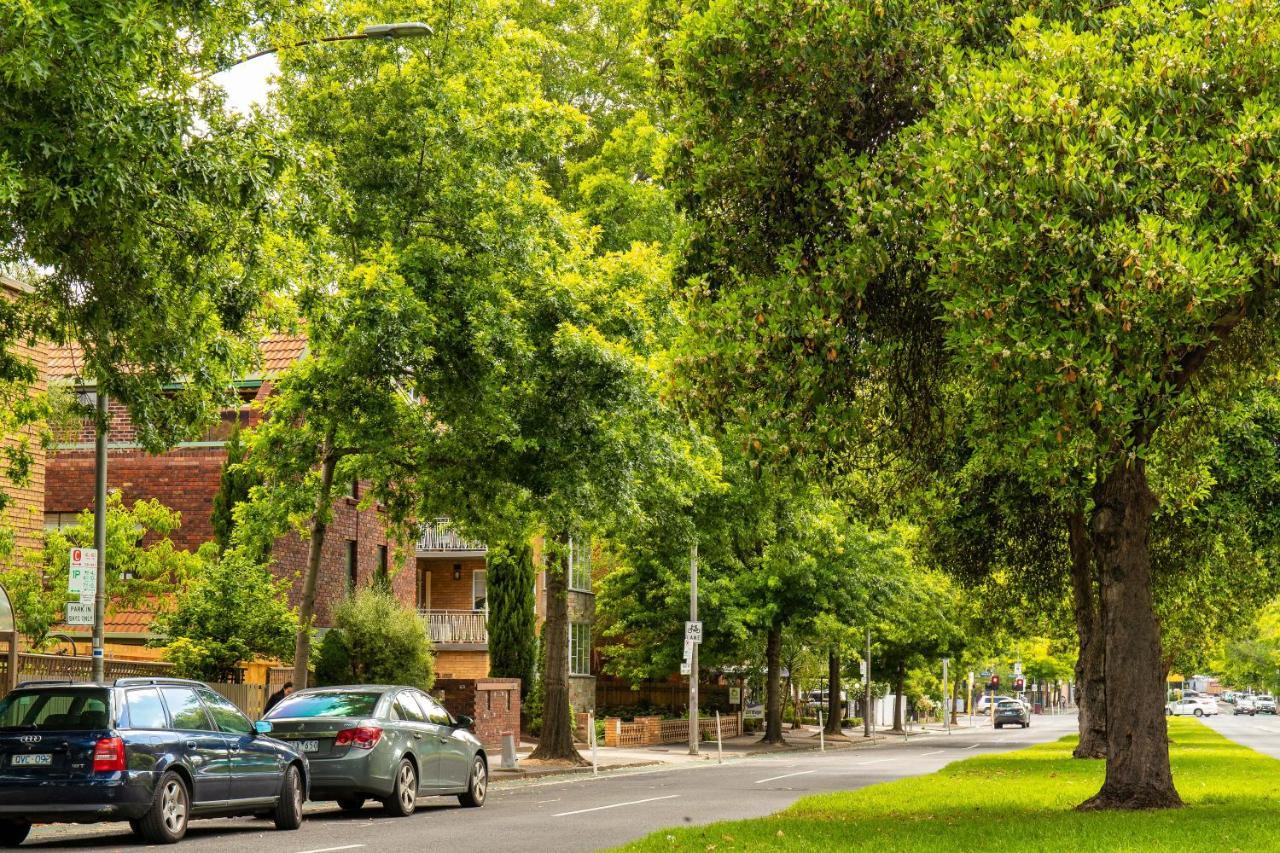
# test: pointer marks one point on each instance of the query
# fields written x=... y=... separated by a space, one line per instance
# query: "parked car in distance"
x=1195 y=706
x=157 y=752
x=392 y=744
x=1011 y=713
x=1264 y=704
x=984 y=702
x=1244 y=705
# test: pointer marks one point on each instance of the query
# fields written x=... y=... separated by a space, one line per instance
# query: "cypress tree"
x=512 y=632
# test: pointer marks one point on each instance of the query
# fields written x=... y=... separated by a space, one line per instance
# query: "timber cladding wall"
x=494 y=703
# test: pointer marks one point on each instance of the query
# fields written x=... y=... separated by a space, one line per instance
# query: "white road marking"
x=783 y=776
x=973 y=746
x=617 y=805
x=877 y=761
x=331 y=849
x=935 y=752
x=544 y=802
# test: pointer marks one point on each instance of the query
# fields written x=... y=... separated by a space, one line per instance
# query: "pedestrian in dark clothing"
x=274 y=698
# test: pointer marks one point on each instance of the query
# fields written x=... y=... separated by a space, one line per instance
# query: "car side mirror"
x=262 y=727
x=465 y=722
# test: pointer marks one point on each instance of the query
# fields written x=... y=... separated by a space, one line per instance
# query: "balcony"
x=457 y=630
x=439 y=539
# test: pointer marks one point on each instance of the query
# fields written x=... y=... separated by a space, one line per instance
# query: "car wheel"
x=288 y=813
x=166 y=821
x=477 y=785
x=351 y=804
x=998 y=726
x=1198 y=712
x=404 y=797
x=13 y=834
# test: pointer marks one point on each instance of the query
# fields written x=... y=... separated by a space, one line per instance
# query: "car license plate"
x=309 y=745
x=39 y=759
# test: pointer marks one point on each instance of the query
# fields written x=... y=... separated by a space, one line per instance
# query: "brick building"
x=24 y=514
x=186 y=479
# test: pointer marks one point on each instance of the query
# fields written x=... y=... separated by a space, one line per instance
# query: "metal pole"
x=946 y=699
x=866 y=688
x=591 y=731
x=720 y=741
x=822 y=735
x=100 y=533
x=693 y=655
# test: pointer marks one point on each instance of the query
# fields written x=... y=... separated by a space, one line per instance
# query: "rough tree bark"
x=1091 y=697
x=1138 y=775
x=773 y=688
x=955 y=695
x=556 y=741
x=835 y=708
x=319 y=526
x=899 y=686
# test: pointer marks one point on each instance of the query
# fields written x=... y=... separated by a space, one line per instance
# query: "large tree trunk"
x=835 y=708
x=556 y=742
x=319 y=526
x=955 y=695
x=899 y=686
x=773 y=687
x=1138 y=775
x=1091 y=697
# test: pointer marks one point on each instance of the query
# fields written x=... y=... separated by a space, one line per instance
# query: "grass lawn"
x=1024 y=801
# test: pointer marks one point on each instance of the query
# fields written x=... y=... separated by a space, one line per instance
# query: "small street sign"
x=693 y=631
x=79 y=613
x=688 y=649
x=685 y=668
x=862 y=669
x=1017 y=667
x=82 y=576
x=735 y=695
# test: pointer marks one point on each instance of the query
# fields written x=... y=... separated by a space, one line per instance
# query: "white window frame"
x=579 y=647
x=574 y=563
x=484 y=574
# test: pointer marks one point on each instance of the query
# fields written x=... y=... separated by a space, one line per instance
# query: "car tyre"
x=166 y=821
x=1198 y=712
x=998 y=726
x=404 y=796
x=351 y=804
x=13 y=833
x=288 y=812
x=477 y=785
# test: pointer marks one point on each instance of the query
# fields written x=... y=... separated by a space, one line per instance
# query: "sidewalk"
x=797 y=740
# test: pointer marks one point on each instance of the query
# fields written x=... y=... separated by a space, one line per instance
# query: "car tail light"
x=361 y=737
x=108 y=755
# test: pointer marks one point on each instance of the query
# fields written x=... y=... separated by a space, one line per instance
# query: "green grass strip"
x=1023 y=800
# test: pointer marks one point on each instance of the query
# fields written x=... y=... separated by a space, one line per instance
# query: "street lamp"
x=401 y=30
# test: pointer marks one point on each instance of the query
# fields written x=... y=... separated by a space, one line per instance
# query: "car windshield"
x=55 y=709
x=326 y=703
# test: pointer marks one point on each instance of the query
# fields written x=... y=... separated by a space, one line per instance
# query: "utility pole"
x=866 y=689
x=946 y=698
x=693 y=654
x=100 y=532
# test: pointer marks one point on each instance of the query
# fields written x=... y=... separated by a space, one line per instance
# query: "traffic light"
x=1019 y=683
x=995 y=682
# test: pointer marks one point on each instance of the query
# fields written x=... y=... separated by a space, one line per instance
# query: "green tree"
x=233 y=489
x=231 y=609
x=513 y=637
x=376 y=640
x=143 y=565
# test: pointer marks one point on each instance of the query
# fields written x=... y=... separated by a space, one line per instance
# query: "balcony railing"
x=452 y=627
x=440 y=536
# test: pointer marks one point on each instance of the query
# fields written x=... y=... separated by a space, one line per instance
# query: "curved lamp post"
x=402 y=30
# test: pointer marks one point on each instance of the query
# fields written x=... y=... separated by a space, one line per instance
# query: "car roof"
x=354 y=688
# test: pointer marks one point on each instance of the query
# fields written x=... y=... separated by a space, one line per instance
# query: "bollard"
x=591 y=733
x=509 y=758
x=719 y=742
x=822 y=734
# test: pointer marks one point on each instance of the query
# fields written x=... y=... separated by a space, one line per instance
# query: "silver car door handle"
x=234 y=750
x=417 y=736
x=444 y=740
x=191 y=744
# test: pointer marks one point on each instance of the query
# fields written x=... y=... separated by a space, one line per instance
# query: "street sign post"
x=688 y=649
x=82 y=575
x=693 y=630
x=735 y=695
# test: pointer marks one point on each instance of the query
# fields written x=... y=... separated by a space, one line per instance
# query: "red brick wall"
x=447 y=593
x=494 y=703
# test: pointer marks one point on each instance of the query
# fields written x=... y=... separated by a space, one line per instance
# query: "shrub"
x=375 y=640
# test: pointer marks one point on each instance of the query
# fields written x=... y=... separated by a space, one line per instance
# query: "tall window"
x=580 y=648
x=353 y=566
x=382 y=562
x=479 y=590
x=580 y=565
x=424 y=588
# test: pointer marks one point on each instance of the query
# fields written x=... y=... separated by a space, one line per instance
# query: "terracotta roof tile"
x=118 y=622
x=278 y=352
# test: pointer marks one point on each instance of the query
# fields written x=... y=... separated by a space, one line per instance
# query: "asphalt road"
x=1260 y=733
x=580 y=813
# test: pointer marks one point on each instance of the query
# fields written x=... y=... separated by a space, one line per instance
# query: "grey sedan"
x=391 y=744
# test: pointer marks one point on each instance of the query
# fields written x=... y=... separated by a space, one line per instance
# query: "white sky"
x=246 y=84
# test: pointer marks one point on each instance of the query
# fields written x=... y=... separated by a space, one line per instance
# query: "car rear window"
x=56 y=709
x=335 y=703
